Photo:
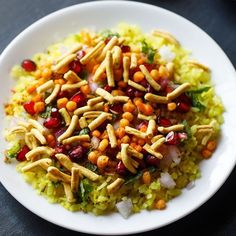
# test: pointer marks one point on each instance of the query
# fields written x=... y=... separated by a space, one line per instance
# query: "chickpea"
x=102 y=161
x=146 y=177
x=128 y=115
x=161 y=204
x=103 y=145
x=124 y=122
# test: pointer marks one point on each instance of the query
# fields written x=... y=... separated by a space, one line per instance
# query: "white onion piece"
x=190 y=185
x=174 y=154
x=116 y=125
x=95 y=142
x=93 y=86
x=167 y=181
x=125 y=207
x=166 y=54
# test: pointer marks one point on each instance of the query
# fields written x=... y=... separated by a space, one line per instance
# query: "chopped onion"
x=174 y=154
x=93 y=86
x=116 y=125
x=95 y=142
x=166 y=54
x=167 y=181
x=125 y=207
x=190 y=185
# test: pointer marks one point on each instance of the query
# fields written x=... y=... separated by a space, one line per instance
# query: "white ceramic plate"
x=103 y=15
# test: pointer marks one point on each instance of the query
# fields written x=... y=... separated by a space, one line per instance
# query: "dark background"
x=218 y=19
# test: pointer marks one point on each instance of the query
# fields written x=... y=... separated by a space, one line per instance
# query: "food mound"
x=112 y=120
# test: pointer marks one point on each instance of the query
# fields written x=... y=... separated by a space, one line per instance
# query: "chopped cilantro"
x=13 y=151
x=84 y=189
x=47 y=112
x=91 y=166
x=108 y=33
x=195 y=96
x=149 y=51
x=84 y=131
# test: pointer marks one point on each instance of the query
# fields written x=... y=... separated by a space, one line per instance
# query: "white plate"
x=104 y=15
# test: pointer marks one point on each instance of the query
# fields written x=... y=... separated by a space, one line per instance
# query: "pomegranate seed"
x=150 y=89
x=152 y=160
x=130 y=92
x=60 y=131
x=183 y=107
x=138 y=93
x=108 y=88
x=51 y=123
x=55 y=113
x=21 y=154
x=28 y=65
x=184 y=98
x=121 y=169
x=141 y=124
x=125 y=48
x=149 y=66
x=163 y=83
x=108 y=39
x=75 y=66
x=76 y=153
x=80 y=54
x=163 y=121
x=79 y=98
x=62 y=94
x=116 y=108
x=60 y=149
x=182 y=136
x=172 y=138
x=29 y=107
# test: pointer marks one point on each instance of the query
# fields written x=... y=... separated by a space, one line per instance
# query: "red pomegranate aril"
x=164 y=84
x=29 y=108
x=76 y=153
x=107 y=39
x=150 y=89
x=75 y=66
x=125 y=48
x=163 y=121
x=21 y=154
x=149 y=66
x=55 y=113
x=62 y=94
x=116 y=108
x=172 y=138
x=79 y=98
x=51 y=123
x=121 y=169
x=183 y=107
x=182 y=136
x=184 y=98
x=28 y=65
x=152 y=160
x=80 y=54
x=108 y=88
x=60 y=131
x=60 y=149
x=138 y=94
x=130 y=92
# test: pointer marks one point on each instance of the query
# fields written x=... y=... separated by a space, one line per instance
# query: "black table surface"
x=218 y=19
